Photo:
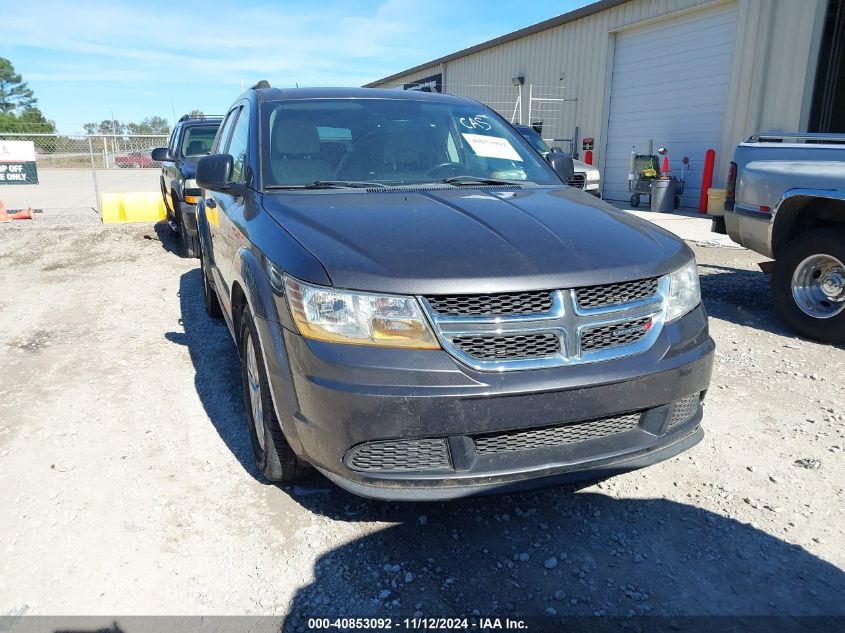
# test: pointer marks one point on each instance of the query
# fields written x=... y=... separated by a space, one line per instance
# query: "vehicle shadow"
x=554 y=554
x=217 y=375
x=165 y=236
x=741 y=297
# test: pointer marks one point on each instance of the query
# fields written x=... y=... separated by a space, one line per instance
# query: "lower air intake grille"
x=399 y=455
x=623 y=333
x=554 y=435
x=614 y=294
x=683 y=410
x=509 y=346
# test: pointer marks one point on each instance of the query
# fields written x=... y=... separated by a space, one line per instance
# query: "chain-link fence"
x=75 y=171
x=98 y=151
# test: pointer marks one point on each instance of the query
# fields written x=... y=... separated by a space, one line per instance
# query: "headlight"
x=684 y=291
x=358 y=318
x=191 y=192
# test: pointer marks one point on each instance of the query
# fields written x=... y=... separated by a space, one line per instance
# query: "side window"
x=225 y=130
x=451 y=149
x=237 y=145
x=172 y=144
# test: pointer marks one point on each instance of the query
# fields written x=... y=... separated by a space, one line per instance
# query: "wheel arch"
x=802 y=210
x=251 y=289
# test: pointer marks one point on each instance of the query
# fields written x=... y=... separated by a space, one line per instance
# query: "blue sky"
x=88 y=59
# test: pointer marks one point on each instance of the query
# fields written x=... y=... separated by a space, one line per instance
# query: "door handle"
x=210 y=203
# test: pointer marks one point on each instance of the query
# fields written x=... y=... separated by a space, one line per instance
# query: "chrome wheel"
x=253 y=378
x=818 y=286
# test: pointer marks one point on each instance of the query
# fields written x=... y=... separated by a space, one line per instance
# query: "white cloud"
x=312 y=45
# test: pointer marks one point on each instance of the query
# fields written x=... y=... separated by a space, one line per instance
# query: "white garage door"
x=670 y=83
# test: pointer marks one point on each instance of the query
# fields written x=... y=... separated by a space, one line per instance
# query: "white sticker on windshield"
x=491 y=147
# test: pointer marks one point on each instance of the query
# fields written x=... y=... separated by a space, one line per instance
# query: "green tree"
x=15 y=94
x=106 y=126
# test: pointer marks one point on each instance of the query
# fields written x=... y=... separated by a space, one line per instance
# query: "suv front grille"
x=399 y=455
x=612 y=294
x=514 y=346
x=578 y=181
x=550 y=328
x=533 y=302
x=614 y=335
x=526 y=440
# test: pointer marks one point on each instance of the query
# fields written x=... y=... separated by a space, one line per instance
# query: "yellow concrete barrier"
x=137 y=206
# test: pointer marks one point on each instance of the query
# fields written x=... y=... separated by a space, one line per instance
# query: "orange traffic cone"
x=26 y=214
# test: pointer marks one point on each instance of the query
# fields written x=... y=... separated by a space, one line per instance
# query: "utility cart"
x=646 y=170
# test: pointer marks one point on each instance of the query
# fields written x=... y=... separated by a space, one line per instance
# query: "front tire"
x=273 y=455
x=808 y=285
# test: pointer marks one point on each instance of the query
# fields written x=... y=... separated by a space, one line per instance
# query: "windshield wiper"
x=474 y=180
x=331 y=184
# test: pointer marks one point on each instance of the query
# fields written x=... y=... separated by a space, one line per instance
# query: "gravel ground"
x=126 y=482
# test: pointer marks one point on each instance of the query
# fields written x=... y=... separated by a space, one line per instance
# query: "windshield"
x=534 y=138
x=392 y=142
x=198 y=140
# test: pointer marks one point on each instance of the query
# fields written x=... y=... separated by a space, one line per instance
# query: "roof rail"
x=779 y=137
x=261 y=84
x=190 y=117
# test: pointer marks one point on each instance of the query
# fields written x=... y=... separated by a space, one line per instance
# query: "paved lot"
x=126 y=482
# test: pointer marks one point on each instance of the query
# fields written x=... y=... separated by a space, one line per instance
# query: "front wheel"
x=273 y=455
x=808 y=285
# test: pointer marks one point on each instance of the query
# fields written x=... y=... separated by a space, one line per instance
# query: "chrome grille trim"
x=565 y=320
x=578 y=180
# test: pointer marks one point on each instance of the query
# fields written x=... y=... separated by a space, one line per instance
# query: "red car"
x=136 y=159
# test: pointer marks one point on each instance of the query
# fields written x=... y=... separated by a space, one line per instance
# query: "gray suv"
x=425 y=310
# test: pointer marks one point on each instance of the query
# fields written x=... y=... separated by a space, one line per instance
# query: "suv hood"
x=469 y=240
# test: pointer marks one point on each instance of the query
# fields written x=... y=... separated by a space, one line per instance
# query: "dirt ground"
x=127 y=484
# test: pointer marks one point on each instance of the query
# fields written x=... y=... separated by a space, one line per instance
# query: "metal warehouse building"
x=689 y=74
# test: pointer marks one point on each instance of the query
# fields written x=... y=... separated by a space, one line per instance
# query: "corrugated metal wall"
x=773 y=65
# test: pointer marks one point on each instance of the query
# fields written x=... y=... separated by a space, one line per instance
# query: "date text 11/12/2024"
x=416 y=624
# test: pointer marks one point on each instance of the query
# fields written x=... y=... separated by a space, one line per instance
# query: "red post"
x=706 y=179
x=588 y=157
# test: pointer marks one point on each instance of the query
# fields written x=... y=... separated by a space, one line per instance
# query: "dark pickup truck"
x=425 y=310
x=191 y=138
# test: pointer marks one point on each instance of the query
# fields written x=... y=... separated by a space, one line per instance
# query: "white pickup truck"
x=786 y=200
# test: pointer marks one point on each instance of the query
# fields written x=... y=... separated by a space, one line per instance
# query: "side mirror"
x=162 y=155
x=557 y=150
x=561 y=162
x=215 y=172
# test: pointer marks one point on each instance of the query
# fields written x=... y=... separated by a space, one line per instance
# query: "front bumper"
x=333 y=398
x=189 y=217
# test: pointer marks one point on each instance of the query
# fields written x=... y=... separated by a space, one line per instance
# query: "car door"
x=226 y=206
x=167 y=170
